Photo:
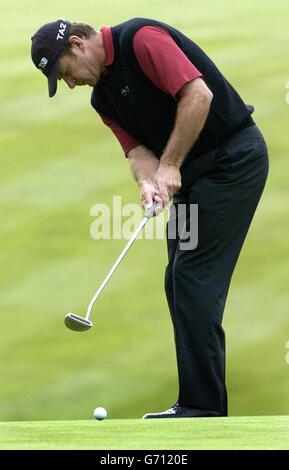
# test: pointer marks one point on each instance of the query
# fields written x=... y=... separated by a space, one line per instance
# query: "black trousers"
x=227 y=184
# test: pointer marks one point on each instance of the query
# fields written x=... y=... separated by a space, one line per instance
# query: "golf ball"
x=100 y=413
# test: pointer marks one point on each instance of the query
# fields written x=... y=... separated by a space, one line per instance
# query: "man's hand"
x=144 y=164
x=149 y=194
x=168 y=181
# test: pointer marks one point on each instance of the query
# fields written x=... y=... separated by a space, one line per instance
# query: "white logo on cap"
x=43 y=63
x=61 y=31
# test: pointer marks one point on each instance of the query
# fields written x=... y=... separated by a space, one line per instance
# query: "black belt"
x=247 y=123
x=206 y=162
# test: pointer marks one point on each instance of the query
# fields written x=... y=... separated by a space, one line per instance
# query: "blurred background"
x=58 y=160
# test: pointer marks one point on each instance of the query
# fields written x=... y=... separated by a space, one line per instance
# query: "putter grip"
x=150 y=211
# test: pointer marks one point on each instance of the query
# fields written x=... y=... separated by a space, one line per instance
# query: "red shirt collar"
x=108 y=45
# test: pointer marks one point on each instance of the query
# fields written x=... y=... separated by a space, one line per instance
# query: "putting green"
x=271 y=432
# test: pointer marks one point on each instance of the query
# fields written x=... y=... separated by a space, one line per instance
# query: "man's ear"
x=76 y=42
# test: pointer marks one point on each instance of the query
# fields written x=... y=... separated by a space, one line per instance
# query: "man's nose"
x=70 y=82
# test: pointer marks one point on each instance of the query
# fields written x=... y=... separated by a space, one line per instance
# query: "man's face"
x=79 y=68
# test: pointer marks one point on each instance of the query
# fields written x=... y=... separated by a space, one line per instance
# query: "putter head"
x=77 y=323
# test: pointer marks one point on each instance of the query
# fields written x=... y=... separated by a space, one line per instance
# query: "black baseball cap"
x=47 y=45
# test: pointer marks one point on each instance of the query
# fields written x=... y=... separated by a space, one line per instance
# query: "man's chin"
x=90 y=83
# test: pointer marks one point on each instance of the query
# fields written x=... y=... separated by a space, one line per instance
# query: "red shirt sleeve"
x=161 y=59
x=126 y=140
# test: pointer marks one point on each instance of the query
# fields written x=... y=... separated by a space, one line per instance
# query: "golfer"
x=190 y=139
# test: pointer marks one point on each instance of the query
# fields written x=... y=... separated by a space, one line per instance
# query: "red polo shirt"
x=163 y=62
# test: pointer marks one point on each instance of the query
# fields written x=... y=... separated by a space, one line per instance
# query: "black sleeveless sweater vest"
x=128 y=97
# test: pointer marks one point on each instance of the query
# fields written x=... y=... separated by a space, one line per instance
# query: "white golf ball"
x=100 y=413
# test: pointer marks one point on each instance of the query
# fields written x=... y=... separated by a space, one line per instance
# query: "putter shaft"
x=118 y=261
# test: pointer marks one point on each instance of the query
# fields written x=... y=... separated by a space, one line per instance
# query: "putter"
x=77 y=323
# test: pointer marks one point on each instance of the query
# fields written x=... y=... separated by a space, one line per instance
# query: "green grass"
x=58 y=160
x=271 y=432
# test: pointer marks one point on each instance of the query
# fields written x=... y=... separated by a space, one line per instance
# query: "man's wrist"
x=144 y=181
x=166 y=162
